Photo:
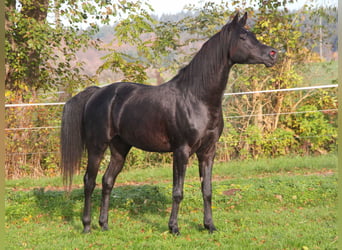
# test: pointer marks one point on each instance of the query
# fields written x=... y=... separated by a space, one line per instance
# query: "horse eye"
x=243 y=36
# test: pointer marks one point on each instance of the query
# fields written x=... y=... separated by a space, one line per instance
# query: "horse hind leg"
x=94 y=159
x=117 y=160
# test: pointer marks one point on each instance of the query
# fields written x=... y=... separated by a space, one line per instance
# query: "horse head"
x=245 y=47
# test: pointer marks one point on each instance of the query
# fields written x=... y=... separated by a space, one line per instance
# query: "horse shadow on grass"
x=136 y=200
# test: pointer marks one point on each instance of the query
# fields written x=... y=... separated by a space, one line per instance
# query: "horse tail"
x=72 y=135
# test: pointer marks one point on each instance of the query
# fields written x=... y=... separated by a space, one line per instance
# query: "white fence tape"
x=33 y=104
x=283 y=90
x=226 y=94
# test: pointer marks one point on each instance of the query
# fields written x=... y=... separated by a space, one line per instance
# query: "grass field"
x=319 y=73
x=284 y=203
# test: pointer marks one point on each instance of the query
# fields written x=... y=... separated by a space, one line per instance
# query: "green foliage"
x=35 y=152
x=32 y=145
x=280 y=142
x=131 y=68
x=138 y=158
x=308 y=130
x=153 y=41
x=316 y=131
x=254 y=127
x=31 y=64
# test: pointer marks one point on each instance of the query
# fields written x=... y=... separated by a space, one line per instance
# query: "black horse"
x=183 y=116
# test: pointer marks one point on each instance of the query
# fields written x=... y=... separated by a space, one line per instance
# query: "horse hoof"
x=211 y=228
x=174 y=231
x=86 y=230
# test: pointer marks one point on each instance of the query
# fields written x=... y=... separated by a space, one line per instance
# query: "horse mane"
x=198 y=74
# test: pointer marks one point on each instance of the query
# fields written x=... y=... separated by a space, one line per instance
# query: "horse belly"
x=153 y=143
x=145 y=131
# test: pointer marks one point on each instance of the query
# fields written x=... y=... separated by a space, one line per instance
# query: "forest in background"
x=48 y=60
x=93 y=57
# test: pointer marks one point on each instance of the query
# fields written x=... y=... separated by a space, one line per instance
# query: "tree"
x=154 y=43
x=42 y=38
x=25 y=52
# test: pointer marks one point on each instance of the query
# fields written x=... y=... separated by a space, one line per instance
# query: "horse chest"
x=198 y=124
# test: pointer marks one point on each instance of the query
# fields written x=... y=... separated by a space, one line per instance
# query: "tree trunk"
x=258 y=118
x=37 y=9
x=277 y=109
x=159 y=78
x=9 y=7
x=34 y=9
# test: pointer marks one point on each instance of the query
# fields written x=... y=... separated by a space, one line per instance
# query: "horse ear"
x=236 y=19
x=243 y=20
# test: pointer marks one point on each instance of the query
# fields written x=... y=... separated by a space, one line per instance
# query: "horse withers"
x=183 y=116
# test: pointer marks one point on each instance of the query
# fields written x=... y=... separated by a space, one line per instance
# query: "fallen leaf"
x=231 y=191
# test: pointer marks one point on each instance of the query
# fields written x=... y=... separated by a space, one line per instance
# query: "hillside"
x=92 y=57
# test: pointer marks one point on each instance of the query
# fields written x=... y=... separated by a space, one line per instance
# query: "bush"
x=34 y=151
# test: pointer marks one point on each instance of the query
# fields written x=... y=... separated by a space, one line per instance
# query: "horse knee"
x=207 y=193
x=107 y=184
x=177 y=196
x=207 y=197
x=89 y=183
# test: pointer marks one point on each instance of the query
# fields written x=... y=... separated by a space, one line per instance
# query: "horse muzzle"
x=271 y=58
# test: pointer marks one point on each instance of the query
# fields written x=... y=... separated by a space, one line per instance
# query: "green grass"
x=319 y=73
x=233 y=169
x=284 y=203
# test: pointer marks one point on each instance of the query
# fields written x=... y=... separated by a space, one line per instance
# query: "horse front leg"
x=206 y=161
x=180 y=160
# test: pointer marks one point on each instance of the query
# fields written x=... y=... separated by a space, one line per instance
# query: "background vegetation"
x=45 y=41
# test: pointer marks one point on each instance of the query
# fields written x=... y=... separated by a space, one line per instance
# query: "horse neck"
x=206 y=76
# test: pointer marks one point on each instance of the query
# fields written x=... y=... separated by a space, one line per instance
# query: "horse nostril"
x=273 y=53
